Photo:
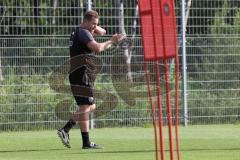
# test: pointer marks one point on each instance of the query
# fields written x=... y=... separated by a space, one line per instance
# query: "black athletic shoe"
x=64 y=136
x=92 y=146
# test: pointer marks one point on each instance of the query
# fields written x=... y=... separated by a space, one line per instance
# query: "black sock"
x=69 y=125
x=85 y=138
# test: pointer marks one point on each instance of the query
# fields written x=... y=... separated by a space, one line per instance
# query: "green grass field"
x=214 y=142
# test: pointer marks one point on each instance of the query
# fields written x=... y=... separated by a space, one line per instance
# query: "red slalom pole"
x=159 y=37
x=169 y=109
x=159 y=102
x=176 y=105
x=153 y=110
x=160 y=111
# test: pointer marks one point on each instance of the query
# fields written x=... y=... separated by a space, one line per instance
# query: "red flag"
x=158 y=28
x=169 y=28
x=151 y=29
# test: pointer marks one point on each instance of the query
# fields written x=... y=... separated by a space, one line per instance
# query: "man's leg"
x=63 y=133
x=82 y=117
x=69 y=125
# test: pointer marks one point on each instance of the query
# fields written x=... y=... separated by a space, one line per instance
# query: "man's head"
x=90 y=20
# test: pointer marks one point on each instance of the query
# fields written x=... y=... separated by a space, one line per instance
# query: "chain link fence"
x=34 y=44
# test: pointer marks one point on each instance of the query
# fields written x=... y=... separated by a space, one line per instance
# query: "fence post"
x=184 y=66
x=89 y=5
x=91 y=120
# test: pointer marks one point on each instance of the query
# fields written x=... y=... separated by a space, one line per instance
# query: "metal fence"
x=34 y=44
x=213 y=61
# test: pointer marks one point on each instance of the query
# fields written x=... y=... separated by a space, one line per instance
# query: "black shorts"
x=81 y=90
x=84 y=100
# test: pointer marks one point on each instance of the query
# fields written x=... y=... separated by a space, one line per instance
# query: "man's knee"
x=92 y=107
x=87 y=108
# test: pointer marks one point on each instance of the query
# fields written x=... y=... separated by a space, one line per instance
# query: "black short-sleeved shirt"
x=78 y=42
x=78 y=46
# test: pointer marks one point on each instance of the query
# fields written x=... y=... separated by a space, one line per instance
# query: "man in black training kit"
x=82 y=43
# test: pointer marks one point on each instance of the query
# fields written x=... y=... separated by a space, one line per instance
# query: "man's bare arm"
x=99 y=47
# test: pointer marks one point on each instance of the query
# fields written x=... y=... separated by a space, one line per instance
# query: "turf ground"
x=215 y=142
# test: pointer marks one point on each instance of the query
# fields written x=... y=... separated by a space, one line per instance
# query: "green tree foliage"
x=200 y=16
x=213 y=66
x=218 y=48
x=25 y=17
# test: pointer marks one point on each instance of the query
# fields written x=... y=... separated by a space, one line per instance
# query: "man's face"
x=92 y=24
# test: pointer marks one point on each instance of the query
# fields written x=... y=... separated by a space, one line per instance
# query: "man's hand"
x=116 y=38
x=99 y=31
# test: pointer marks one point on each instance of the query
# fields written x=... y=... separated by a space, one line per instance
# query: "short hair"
x=90 y=14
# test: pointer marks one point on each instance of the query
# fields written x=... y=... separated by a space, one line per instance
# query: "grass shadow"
x=30 y=150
